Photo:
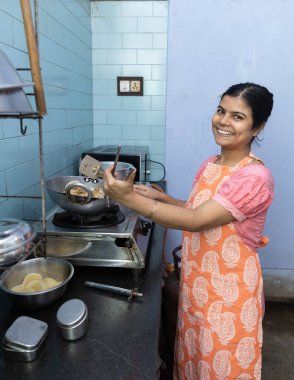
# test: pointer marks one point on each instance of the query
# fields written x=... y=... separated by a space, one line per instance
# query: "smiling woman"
x=219 y=329
x=240 y=117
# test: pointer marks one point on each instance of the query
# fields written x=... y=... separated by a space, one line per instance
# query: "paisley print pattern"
x=205 y=341
x=195 y=243
x=211 y=173
x=202 y=197
x=249 y=314
x=199 y=290
x=231 y=250
x=251 y=273
x=213 y=235
x=203 y=370
x=219 y=329
x=190 y=341
x=222 y=364
x=210 y=262
x=245 y=352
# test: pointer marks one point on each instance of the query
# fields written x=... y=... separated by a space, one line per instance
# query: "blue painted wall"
x=130 y=39
x=213 y=44
x=66 y=64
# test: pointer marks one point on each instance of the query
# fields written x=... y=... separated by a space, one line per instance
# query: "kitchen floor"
x=278 y=346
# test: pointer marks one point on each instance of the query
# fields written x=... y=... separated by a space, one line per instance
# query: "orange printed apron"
x=219 y=328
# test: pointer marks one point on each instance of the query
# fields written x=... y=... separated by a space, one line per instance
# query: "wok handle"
x=76 y=198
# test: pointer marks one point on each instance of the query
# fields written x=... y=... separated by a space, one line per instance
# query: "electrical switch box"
x=130 y=86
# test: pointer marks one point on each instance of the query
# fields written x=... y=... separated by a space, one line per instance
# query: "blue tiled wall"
x=129 y=38
x=66 y=61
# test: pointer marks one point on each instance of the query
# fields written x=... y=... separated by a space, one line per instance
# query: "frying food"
x=96 y=193
x=34 y=282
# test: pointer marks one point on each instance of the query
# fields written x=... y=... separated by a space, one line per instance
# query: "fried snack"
x=78 y=191
x=97 y=193
x=34 y=282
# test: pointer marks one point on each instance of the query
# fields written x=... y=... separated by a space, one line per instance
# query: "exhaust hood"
x=13 y=99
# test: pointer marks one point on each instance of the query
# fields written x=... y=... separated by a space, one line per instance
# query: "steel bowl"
x=15 y=239
x=58 y=269
x=57 y=186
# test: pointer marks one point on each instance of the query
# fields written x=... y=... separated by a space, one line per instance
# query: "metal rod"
x=33 y=115
x=21 y=196
x=114 y=289
x=116 y=159
x=42 y=182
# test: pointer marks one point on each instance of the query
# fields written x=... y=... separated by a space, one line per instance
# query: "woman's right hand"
x=147 y=191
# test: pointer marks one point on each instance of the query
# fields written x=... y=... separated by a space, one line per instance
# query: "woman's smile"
x=232 y=124
x=223 y=132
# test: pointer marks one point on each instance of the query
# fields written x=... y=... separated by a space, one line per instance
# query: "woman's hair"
x=258 y=98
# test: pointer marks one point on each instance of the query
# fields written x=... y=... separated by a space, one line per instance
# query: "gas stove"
x=118 y=238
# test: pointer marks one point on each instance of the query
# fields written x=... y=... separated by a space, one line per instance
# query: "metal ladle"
x=114 y=168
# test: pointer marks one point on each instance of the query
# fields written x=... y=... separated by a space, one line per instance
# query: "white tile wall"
x=130 y=39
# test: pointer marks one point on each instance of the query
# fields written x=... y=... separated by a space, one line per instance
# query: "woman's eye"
x=220 y=111
x=237 y=117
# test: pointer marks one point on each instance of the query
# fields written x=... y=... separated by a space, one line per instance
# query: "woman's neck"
x=232 y=158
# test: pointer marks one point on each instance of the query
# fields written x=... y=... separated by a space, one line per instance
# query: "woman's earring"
x=260 y=138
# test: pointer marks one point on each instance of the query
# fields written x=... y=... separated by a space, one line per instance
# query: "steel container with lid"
x=72 y=319
x=24 y=338
x=15 y=238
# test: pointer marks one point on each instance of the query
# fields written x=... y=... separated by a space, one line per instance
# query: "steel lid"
x=71 y=313
x=25 y=334
x=14 y=233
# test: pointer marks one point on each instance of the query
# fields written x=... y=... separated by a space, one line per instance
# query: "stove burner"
x=111 y=216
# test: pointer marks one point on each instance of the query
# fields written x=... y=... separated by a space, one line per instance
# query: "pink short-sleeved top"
x=247 y=194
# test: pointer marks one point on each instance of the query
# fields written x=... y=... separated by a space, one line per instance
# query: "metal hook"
x=23 y=129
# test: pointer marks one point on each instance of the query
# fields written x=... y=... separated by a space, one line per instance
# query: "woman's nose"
x=225 y=119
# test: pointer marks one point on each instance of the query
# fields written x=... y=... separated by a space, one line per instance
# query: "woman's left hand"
x=116 y=189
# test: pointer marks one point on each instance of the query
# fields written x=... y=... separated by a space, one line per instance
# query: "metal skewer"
x=130 y=293
x=116 y=159
x=114 y=169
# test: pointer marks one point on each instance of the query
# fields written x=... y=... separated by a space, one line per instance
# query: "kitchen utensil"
x=116 y=160
x=58 y=269
x=72 y=319
x=77 y=185
x=114 y=169
x=130 y=293
x=12 y=96
x=92 y=206
x=23 y=340
x=137 y=155
x=91 y=168
x=15 y=239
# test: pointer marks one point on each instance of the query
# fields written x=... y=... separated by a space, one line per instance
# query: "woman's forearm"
x=165 y=198
x=209 y=215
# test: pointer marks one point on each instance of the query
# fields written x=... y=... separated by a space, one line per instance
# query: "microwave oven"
x=135 y=155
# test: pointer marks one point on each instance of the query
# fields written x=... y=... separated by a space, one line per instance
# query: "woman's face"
x=232 y=124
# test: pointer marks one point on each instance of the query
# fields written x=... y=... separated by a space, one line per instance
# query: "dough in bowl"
x=34 y=282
